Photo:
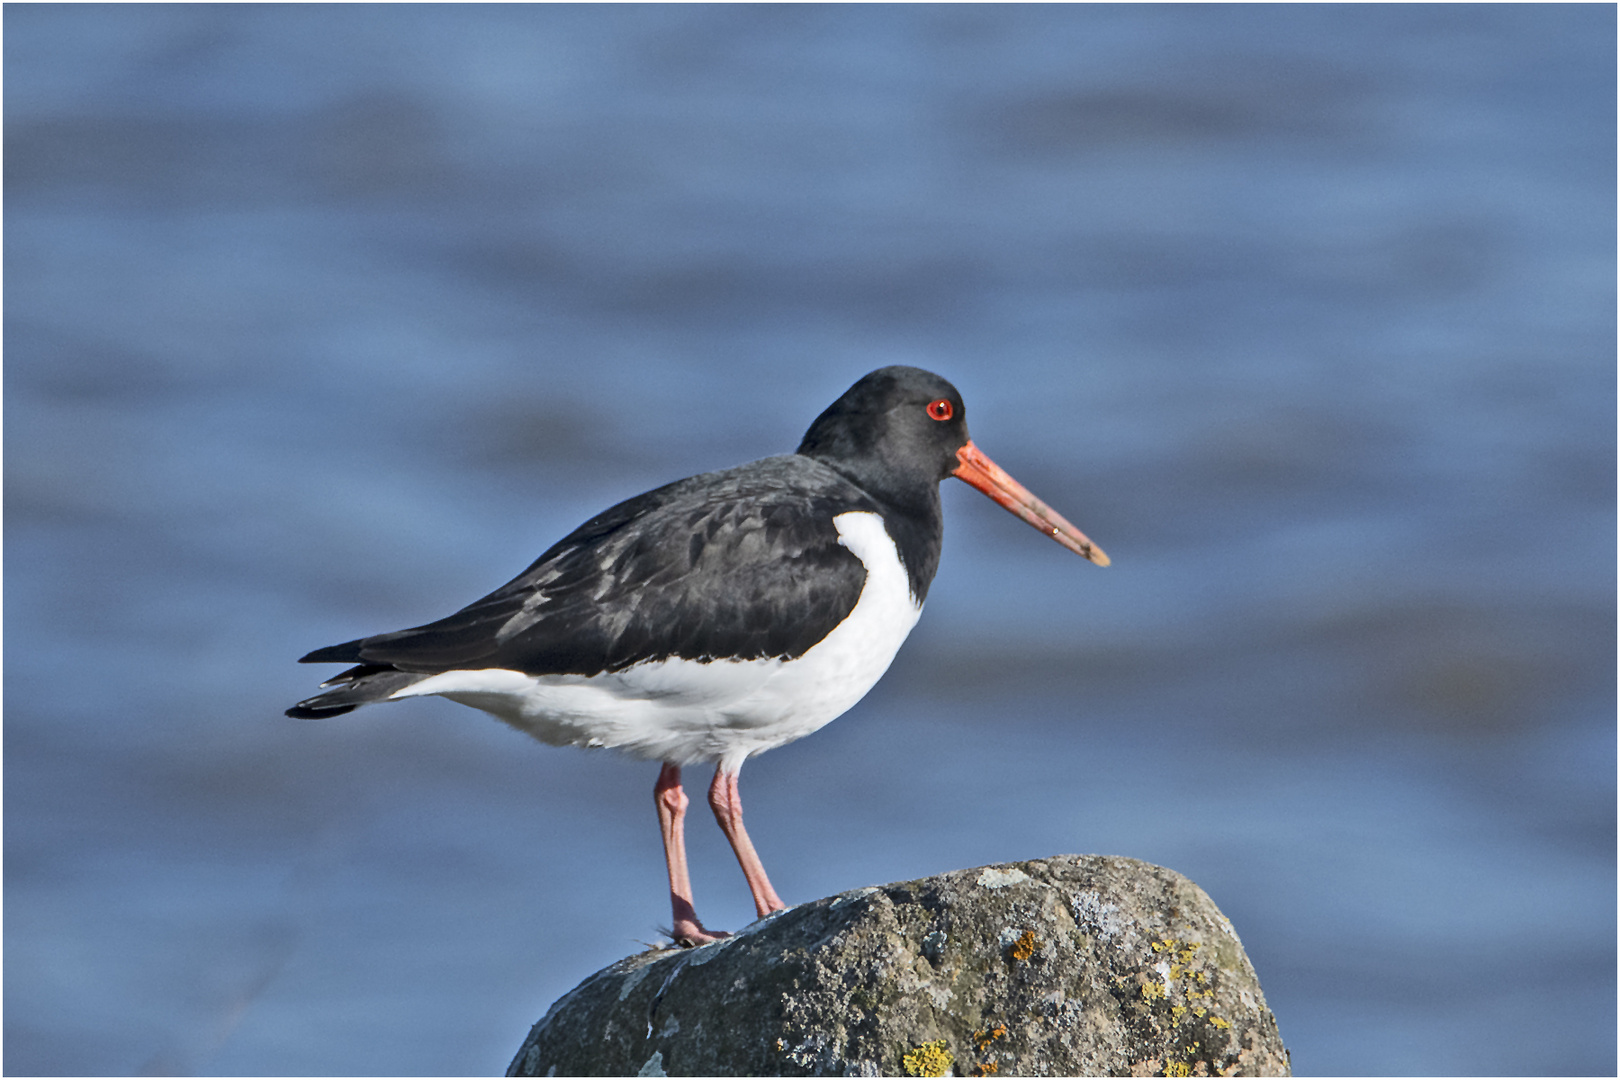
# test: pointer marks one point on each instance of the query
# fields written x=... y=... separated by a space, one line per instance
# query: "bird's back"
x=744 y=563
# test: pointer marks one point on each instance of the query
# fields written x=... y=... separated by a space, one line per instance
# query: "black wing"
x=742 y=563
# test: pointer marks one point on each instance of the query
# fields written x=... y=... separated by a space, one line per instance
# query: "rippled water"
x=324 y=320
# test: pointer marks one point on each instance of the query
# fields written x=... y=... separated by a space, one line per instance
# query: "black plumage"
x=778 y=592
x=744 y=563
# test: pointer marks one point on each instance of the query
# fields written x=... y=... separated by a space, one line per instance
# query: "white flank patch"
x=687 y=711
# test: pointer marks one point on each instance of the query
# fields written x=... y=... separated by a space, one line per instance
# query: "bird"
x=716 y=617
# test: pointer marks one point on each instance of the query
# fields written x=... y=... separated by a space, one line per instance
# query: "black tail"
x=313 y=710
x=356 y=687
x=346 y=653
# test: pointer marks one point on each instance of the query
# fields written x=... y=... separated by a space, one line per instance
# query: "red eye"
x=941 y=409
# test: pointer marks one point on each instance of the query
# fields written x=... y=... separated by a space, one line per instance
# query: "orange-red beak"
x=991 y=479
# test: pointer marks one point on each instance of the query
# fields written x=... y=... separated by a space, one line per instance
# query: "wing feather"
x=742 y=563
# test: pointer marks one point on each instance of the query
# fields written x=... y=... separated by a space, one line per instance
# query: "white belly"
x=687 y=711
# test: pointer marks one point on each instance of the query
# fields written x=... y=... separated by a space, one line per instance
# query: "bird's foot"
x=689 y=933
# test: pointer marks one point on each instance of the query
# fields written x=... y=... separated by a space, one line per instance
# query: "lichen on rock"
x=1074 y=965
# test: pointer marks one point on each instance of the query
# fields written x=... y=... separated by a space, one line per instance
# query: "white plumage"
x=734 y=565
x=688 y=711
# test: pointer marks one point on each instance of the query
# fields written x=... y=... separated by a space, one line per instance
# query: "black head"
x=901 y=430
x=895 y=432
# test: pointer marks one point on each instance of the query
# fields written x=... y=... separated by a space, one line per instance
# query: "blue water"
x=323 y=320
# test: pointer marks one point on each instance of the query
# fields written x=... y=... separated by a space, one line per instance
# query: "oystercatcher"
x=718 y=616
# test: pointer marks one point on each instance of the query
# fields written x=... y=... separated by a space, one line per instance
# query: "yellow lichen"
x=1165 y=944
x=1152 y=991
x=1218 y=1022
x=1176 y=1012
x=1178 y=1068
x=929 y=1059
x=1025 y=946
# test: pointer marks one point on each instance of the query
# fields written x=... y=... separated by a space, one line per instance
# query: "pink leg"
x=672 y=802
x=728 y=812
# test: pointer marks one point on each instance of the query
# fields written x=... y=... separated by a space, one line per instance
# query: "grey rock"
x=1078 y=965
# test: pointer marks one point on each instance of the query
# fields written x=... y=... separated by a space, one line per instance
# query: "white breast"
x=687 y=711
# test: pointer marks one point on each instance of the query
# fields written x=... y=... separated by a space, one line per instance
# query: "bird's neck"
x=911 y=515
x=917 y=537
